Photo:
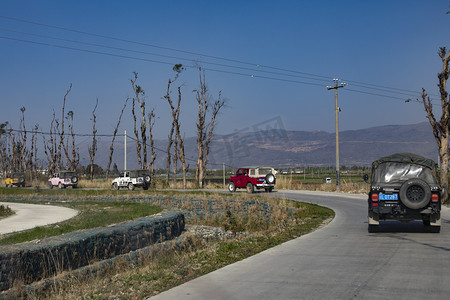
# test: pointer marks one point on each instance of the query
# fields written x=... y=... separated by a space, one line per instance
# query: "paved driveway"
x=28 y=216
x=339 y=261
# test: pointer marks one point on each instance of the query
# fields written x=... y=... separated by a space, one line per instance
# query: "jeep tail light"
x=374 y=197
x=434 y=198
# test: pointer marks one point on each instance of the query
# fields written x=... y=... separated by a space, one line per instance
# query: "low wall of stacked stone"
x=32 y=261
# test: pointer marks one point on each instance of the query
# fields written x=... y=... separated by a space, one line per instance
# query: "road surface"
x=339 y=261
x=28 y=216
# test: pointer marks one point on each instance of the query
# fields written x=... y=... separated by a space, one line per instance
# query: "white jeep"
x=131 y=179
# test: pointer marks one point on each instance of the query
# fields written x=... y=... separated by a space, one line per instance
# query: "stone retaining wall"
x=31 y=261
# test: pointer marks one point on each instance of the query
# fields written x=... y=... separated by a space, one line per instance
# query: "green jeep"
x=404 y=187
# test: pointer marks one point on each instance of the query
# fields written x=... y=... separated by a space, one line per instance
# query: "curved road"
x=28 y=216
x=339 y=261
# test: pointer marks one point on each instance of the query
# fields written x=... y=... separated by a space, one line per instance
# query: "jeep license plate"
x=382 y=196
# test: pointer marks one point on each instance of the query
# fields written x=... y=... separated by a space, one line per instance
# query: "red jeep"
x=253 y=177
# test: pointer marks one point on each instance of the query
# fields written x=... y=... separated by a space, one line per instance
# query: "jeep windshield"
x=391 y=172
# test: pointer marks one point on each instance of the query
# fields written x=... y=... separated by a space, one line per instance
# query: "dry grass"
x=162 y=270
x=346 y=185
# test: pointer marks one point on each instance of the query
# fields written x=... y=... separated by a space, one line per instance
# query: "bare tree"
x=60 y=130
x=50 y=147
x=23 y=147
x=139 y=96
x=111 y=147
x=441 y=127
x=136 y=134
x=4 y=158
x=74 y=159
x=15 y=154
x=168 y=155
x=32 y=160
x=93 y=149
x=56 y=144
x=179 y=142
x=204 y=130
x=151 y=123
x=175 y=161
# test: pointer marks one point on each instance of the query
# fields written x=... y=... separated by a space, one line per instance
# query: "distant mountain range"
x=286 y=148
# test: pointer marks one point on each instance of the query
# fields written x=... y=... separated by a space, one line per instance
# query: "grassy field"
x=170 y=267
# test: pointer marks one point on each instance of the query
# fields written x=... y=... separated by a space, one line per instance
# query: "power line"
x=151 y=53
x=356 y=83
x=192 y=66
x=63 y=134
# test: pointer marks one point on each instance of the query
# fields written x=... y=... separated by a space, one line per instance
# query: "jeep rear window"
x=142 y=173
x=390 y=172
x=264 y=171
x=67 y=174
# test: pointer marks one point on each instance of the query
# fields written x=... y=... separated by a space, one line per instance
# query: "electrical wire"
x=317 y=77
x=156 y=54
x=187 y=66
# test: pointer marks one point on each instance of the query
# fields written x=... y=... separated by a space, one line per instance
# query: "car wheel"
x=145 y=187
x=415 y=193
x=231 y=187
x=50 y=185
x=373 y=228
x=250 y=188
x=147 y=179
x=61 y=186
x=435 y=229
x=74 y=186
x=131 y=186
x=115 y=186
x=270 y=178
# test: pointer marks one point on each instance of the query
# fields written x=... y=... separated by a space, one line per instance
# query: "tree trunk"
x=111 y=147
x=441 y=127
x=92 y=150
x=443 y=155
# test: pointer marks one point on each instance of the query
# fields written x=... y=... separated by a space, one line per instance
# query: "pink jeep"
x=62 y=179
x=253 y=177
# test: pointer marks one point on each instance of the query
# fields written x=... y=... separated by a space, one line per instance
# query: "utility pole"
x=223 y=168
x=336 y=86
x=125 y=151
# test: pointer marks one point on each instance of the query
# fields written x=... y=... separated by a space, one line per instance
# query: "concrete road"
x=339 y=261
x=28 y=216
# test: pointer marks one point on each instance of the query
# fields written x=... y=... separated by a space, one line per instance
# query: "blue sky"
x=299 y=47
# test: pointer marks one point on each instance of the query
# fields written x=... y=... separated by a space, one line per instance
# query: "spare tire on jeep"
x=270 y=178
x=415 y=193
